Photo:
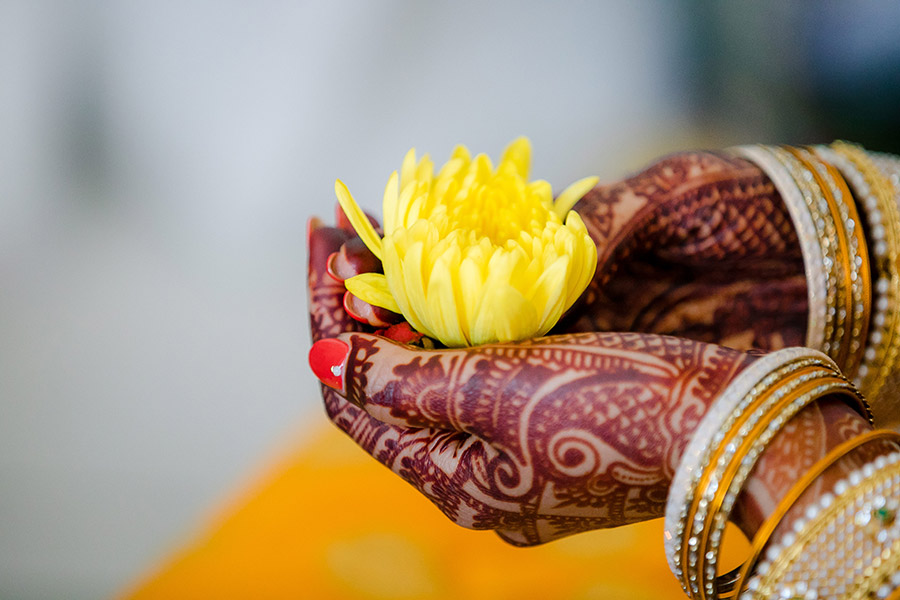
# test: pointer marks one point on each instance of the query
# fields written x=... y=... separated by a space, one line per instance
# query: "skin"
x=583 y=429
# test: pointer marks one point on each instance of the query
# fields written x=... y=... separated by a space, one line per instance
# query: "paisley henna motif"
x=540 y=438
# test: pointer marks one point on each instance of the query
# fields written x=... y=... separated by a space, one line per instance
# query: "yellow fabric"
x=328 y=522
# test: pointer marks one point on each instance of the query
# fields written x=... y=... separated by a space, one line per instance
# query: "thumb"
x=396 y=384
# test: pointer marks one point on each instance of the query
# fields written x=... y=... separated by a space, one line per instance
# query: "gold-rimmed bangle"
x=862 y=269
x=854 y=260
x=693 y=470
x=739 y=470
x=725 y=459
x=734 y=458
x=878 y=200
x=835 y=266
x=764 y=533
x=831 y=215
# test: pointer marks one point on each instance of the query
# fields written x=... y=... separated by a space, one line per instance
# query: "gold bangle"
x=723 y=451
x=862 y=283
x=790 y=498
x=690 y=476
x=835 y=265
x=734 y=459
x=739 y=470
x=854 y=259
x=879 y=201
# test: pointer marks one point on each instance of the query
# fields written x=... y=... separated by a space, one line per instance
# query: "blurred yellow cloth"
x=327 y=521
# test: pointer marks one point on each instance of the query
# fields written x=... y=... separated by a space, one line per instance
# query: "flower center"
x=494 y=211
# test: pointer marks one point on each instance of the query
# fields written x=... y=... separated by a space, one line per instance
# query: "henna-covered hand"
x=536 y=439
x=697 y=245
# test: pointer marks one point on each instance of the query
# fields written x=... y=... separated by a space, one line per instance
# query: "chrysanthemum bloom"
x=475 y=255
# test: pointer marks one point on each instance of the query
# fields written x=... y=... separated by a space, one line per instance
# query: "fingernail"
x=311 y=225
x=328 y=358
x=352 y=309
x=331 y=268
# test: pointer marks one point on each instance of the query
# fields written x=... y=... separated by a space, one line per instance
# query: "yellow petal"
x=372 y=288
x=393 y=270
x=470 y=284
x=549 y=297
x=408 y=169
x=358 y=218
x=519 y=154
x=584 y=257
x=572 y=194
x=442 y=304
x=414 y=284
x=391 y=202
x=504 y=315
x=406 y=195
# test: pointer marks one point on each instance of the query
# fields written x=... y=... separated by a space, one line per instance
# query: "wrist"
x=725 y=449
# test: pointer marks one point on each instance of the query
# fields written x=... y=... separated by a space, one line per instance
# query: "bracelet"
x=857 y=272
x=877 y=193
x=850 y=539
x=725 y=448
x=807 y=234
x=836 y=260
x=833 y=244
x=761 y=539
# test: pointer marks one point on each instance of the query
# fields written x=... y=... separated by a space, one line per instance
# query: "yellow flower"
x=475 y=255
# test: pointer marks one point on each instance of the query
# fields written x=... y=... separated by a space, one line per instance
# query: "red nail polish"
x=331 y=269
x=328 y=359
x=351 y=308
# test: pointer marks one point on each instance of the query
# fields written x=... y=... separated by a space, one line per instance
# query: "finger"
x=351 y=259
x=480 y=390
x=326 y=313
x=369 y=314
x=396 y=384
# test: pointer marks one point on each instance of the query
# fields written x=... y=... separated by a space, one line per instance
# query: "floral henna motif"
x=537 y=439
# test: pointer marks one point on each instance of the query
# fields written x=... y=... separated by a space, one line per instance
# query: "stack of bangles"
x=844 y=205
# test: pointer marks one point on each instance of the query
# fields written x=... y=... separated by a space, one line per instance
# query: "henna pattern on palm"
x=539 y=439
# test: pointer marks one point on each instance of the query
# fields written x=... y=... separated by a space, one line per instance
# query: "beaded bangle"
x=849 y=541
x=836 y=261
x=761 y=539
x=807 y=234
x=710 y=432
x=878 y=200
x=856 y=269
x=724 y=450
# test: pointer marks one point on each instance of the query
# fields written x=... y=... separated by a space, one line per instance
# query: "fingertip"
x=312 y=224
x=328 y=361
x=331 y=267
x=352 y=308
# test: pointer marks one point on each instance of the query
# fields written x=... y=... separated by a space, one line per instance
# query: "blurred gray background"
x=159 y=161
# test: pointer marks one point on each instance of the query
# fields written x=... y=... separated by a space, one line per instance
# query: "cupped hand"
x=536 y=439
x=696 y=245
